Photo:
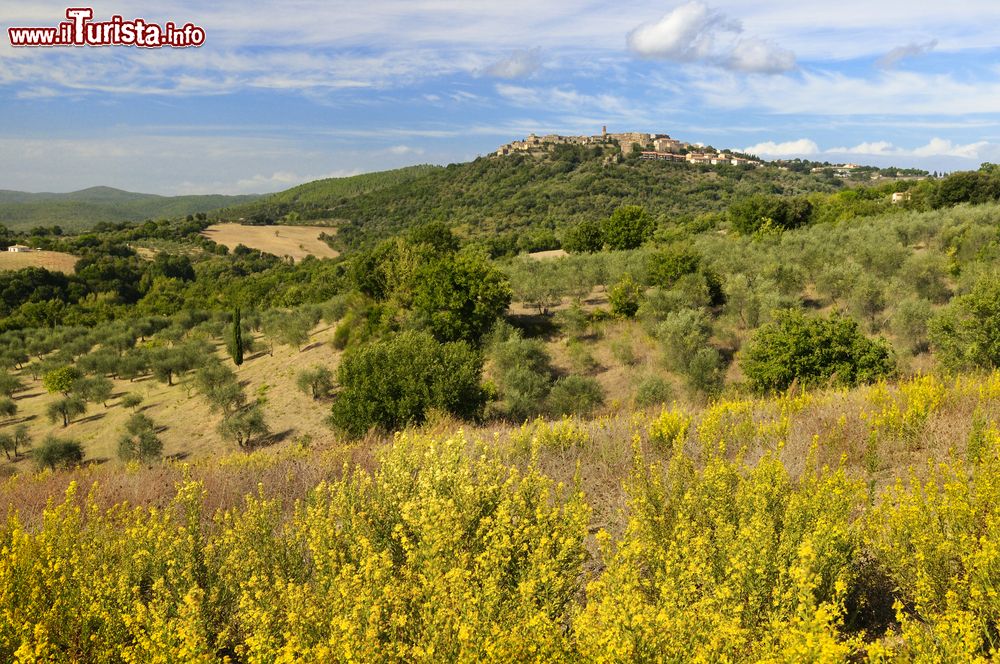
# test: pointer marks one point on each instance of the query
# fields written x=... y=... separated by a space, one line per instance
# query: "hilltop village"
x=657 y=147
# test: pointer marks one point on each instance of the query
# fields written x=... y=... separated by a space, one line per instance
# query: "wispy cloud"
x=518 y=64
x=900 y=53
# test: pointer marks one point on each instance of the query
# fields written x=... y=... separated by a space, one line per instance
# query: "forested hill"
x=490 y=196
x=81 y=210
x=315 y=200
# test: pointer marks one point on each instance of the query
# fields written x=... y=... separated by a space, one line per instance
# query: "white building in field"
x=18 y=248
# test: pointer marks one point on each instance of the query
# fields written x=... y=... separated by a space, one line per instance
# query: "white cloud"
x=873 y=148
x=694 y=32
x=936 y=147
x=685 y=34
x=893 y=57
x=802 y=146
x=517 y=65
x=755 y=55
x=939 y=147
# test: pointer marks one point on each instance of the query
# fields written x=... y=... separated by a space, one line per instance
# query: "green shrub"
x=10 y=385
x=66 y=409
x=813 y=350
x=624 y=352
x=666 y=266
x=317 y=382
x=139 y=442
x=653 y=390
x=966 y=334
x=523 y=372
x=580 y=357
x=910 y=323
x=57 y=453
x=394 y=382
x=8 y=407
x=245 y=427
x=625 y=297
x=131 y=400
x=575 y=395
x=682 y=334
x=704 y=372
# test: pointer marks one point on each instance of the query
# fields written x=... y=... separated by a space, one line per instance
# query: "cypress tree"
x=236 y=340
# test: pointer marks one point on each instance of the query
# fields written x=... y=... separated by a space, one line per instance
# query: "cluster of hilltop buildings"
x=658 y=147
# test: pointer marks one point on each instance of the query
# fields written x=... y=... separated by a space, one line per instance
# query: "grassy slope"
x=80 y=210
x=190 y=427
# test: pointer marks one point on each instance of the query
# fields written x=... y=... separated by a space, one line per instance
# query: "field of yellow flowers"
x=833 y=526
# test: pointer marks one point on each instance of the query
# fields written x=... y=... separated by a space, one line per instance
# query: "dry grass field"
x=188 y=426
x=295 y=241
x=50 y=260
x=548 y=255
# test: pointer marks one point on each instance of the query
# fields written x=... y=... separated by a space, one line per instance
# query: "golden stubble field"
x=50 y=260
x=295 y=241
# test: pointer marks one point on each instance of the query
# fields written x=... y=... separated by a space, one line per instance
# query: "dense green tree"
x=435 y=235
x=61 y=379
x=627 y=228
x=583 y=237
x=396 y=381
x=665 y=266
x=755 y=212
x=974 y=187
x=460 y=297
x=813 y=350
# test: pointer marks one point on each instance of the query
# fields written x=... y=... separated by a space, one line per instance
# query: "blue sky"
x=288 y=92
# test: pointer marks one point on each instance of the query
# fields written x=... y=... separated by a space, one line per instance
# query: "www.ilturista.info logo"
x=80 y=30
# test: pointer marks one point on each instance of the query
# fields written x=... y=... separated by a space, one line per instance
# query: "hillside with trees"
x=81 y=210
x=741 y=415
